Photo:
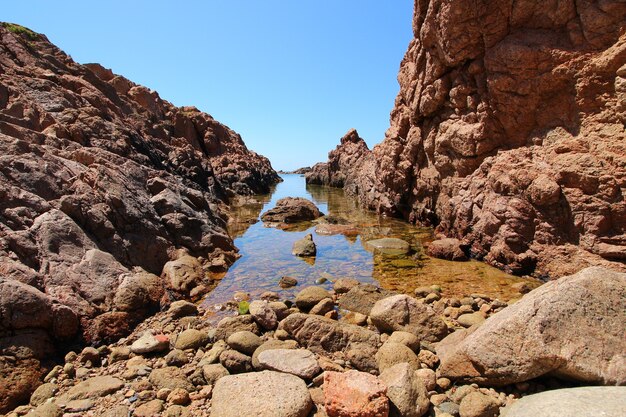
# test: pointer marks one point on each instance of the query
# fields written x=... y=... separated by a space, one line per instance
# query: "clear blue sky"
x=290 y=76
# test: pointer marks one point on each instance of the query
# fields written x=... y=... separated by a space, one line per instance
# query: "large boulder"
x=263 y=394
x=572 y=327
x=574 y=402
x=401 y=312
x=292 y=210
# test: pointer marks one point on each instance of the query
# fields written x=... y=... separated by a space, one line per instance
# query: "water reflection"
x=266 y=252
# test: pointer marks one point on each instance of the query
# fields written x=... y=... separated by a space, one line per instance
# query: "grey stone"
x=298 y=362
x=264 y=394
x=571 y=402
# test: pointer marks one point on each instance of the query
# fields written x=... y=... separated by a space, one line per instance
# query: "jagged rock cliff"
x=508 y=132
x=101 y=183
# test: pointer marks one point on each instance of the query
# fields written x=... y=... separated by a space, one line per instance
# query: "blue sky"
x=290 y=76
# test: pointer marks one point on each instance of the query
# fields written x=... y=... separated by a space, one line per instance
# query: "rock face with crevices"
x=508 y=133
x=102 y=183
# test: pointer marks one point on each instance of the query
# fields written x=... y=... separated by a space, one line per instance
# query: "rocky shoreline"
x=357 y=350
x=507 y=133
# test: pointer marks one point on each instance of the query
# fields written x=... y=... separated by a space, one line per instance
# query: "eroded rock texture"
x=508 y=132
x=101 y=183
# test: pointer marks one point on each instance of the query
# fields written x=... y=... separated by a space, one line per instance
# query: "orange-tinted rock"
x=507 y=133
x=354 y=394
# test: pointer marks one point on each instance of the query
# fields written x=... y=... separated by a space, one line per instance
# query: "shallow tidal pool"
x=266 y=253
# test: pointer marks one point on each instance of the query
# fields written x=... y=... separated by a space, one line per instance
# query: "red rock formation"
x=101 y=183
x=508 y=132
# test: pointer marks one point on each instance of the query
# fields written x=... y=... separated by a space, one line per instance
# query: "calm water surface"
x=266 y=253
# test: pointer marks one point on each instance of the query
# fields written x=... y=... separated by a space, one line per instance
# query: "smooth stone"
x=77 y=406
x=212 y=373
x=571 y=402
x=170 y=377
x=244 y=342
x=42 y=393
x=469 y=320
x=191 y=339
x=230 y=325
x=308 y=297
x=236 y=362
x=271 y=344
x=262 y=394
x=95 y=387
x=298 y=362
x=391 y=354
x=361 y=298
x=408 y=339
x=343 y=285
x=476 y=404
x=389 y=245
x=182 y=308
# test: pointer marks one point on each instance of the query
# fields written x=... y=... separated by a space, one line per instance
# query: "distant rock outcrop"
x=508 y=133
x=101 y=183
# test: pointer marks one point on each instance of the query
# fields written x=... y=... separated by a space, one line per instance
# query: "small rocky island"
x=507 y=137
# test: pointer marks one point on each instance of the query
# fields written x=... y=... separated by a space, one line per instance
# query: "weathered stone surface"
x=310 y=296
x=354 y=394
x=298 y=362
x=95 y=387
x=492 y=142
x=361 y=298
x=292 y=210
x=322 y=335
x=236 y=362
x=401 y=312
x=471 y=319
x=263 y=314
x=579 y=402
x=449 y=249
x=407 y=394
x=572 y=327
x=230 y=325
x=271 y=344
x=304 y=247
x=101 y=182
x=170 y=377
x=266 y=394
x=343 y=285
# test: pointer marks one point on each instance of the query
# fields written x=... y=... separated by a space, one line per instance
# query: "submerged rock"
x=389 y=245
